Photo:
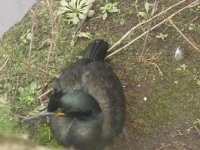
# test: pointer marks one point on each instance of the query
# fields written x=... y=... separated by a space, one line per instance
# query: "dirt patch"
x=160 y=107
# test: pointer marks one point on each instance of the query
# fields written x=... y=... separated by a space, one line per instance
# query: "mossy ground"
x=160 y=107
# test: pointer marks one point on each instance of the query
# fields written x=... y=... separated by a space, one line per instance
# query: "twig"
x=149 y=26
x=181 y=33
x=195 y=126
x=5 y=63
x=140 y=36
x=16 y=88
x=44 y=94
x=8 y=78
x=135 y=27
x=197 y=129
x=53 y=30
x=32 y=35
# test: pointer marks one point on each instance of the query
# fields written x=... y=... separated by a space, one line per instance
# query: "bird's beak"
x=60 y=114
x=42 y=114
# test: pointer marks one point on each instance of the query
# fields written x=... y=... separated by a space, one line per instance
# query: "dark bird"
x=89 y=101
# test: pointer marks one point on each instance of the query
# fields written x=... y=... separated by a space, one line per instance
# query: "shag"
x=89 y=101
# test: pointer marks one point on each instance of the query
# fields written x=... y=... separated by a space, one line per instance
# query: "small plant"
x=194 y=27
x=109 y=8
x=26 y=37
x=198 y=82
x=197 y=122
x=148 y=11
x=161 y=36
x=27 y=94
x=76 y=10
x=183 y=67
x=84 y=35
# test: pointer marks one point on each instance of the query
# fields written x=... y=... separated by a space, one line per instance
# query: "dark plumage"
x=92 y=99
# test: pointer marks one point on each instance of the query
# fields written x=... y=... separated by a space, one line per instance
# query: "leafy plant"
x=161 y=36
x=84 y=35
x=27 y=94
x=76 y=10
x=26 y=37
x=193 y=27
x=183 y=67
x=109 y=8
x=197 y=122
x=148 y=11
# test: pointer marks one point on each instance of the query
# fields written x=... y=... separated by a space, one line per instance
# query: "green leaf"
x=85 y=35
x=75 y=20
x=72 y=43
x=82 y=16
x=198 y=82
x=72 y=15
x=89 y=1
x=114 y=10
x=183 y=66
x=33 y=86
x=63 y=3
x=104 y=16
x=143 y=14
x=29 y=36
x=60 y=12
x=147 y=6
x=91 y=13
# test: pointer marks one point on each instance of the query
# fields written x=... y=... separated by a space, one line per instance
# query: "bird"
x=88 y=102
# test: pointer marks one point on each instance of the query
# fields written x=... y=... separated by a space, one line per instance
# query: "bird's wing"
x=69 y=80
x=101 y=82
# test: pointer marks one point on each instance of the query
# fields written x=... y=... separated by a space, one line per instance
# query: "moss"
x=172 y=99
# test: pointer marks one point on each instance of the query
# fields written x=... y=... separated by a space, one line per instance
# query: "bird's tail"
x=96 y=50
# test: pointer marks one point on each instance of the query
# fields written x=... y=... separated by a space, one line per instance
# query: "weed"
x=161 y=36
x=183 y=67
x=197 y=122
x=27 y=94
x=109 y=8
x=76 y=10
x=84 y=35
x=148 y=11
x=194 y=27
x=26 y=37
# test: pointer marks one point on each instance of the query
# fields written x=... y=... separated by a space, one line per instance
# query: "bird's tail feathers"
x=96 y=50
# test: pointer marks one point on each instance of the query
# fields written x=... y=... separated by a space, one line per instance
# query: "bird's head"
x=78 y=104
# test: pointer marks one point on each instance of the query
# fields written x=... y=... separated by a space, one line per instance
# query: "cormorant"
x=89 y=101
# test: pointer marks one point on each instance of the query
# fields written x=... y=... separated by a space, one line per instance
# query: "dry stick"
x=16 y=88
x=52 y=20
x=162 y=22
x=132 y=29
x=147 y=35
x=44 y=94
x=32 y=35
x=5 y=63
x=197 y=129
x=192 y=44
